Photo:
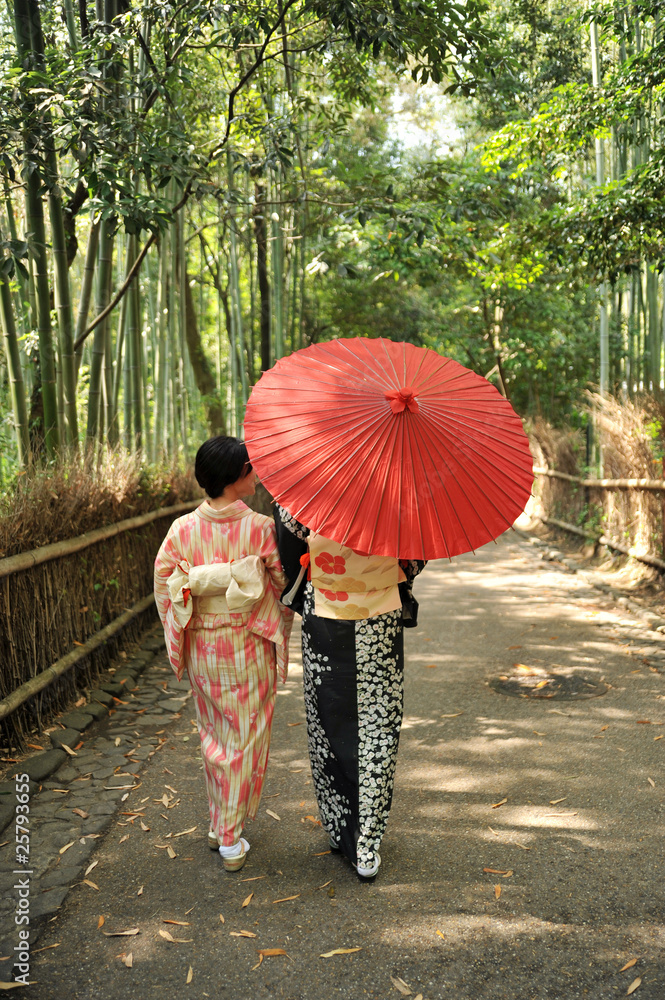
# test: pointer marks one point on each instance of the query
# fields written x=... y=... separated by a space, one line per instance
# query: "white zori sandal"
x=368 y=873
x=234 y=856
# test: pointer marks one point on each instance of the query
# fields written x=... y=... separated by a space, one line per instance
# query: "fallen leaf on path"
x=46 y=947
x=525 y=669
x=127 y=960
x=286 y=898
x=400 y=985
x=180 y=923
x=90 y=867
x=324 y=884
x=66 y=847
x=506 y=872
x=441 y=934
x=169 y=937
x=430 y=666
x=246 y=902
x=497 y=891
x=633 y=986
x=492 y=831
x=183 y=833
x=339 y=951
x=501 y=803
x=542 y=684
x=100 y=923
x=273 y=814
x=117 y=741
x=558 y=815
x=140 y=892
x=144 y=827
x=72 y=753
x=171 y=853
x=123 y=839
x=81 y=812
x=265 y=952
x=651 y=782
x=12 y=986
x=643 y=722
x=657 y=738
x=190 y=975
x=254 y=878
x=93 y=885
x=555 y=802
x=535 y=731
x=629 y=964
x=294 y=724
x=452 y=715
x=514 y=647
x=241 y=934
x=313 y=819
x=221 y=917
x=129 y=933
x=321 y=854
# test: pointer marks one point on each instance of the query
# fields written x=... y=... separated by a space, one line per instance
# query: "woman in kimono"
x=218 y=579
x=353 y=611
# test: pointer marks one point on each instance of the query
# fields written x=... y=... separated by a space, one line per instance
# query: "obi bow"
x=241 y=583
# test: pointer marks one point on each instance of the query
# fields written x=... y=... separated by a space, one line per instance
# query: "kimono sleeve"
x=411 y=567
x=165 y=562
x=292 y=543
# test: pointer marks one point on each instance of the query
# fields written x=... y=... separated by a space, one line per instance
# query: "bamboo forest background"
x=192 y=190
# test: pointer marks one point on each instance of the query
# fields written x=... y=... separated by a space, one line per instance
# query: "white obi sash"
x=216 y=588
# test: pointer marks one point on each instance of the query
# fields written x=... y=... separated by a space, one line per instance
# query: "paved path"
x=576 y=846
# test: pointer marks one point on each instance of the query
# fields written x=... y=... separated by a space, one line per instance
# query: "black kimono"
x=353 y=676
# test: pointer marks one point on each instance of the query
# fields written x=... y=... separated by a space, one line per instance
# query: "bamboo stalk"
x=27 y=26
x=35 y=557
x=17 y=388
x=605 y=484
x=86 y=286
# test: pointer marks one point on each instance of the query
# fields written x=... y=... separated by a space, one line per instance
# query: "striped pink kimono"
x=232 y=659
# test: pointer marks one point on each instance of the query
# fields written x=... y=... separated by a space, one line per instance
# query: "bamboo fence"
x=65 y=610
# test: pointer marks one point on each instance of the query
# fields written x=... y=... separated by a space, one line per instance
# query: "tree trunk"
x=203 y=370
x=259 y=220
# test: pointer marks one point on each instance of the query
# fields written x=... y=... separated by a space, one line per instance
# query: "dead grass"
x=56 y=502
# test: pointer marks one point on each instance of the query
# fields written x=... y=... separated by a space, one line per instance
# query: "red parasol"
x=388 y=448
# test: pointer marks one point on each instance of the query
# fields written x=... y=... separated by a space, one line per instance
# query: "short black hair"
x=219 y=462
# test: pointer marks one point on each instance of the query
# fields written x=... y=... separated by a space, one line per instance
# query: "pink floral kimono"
x=224 y=625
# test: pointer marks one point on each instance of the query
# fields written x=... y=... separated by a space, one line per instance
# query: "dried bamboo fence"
x=584 y=504
x=55 y=599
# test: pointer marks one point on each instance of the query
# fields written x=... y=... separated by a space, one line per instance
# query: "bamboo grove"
x=192 y=190
x=157 y=162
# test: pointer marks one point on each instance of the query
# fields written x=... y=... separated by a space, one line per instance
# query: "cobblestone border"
x=75 y=795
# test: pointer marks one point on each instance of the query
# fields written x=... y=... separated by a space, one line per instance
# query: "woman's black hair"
x=219 y=462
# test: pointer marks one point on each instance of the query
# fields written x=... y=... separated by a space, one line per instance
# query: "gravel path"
x=523 y=858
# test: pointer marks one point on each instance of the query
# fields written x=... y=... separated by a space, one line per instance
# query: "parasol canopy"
x=389 y=448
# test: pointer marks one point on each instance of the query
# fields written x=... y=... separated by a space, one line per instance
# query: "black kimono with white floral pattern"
x=353 y=675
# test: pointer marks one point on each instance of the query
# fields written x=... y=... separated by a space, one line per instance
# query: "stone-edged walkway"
x=75 y=795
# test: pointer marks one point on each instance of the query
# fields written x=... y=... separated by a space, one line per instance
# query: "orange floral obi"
x=350 y=586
